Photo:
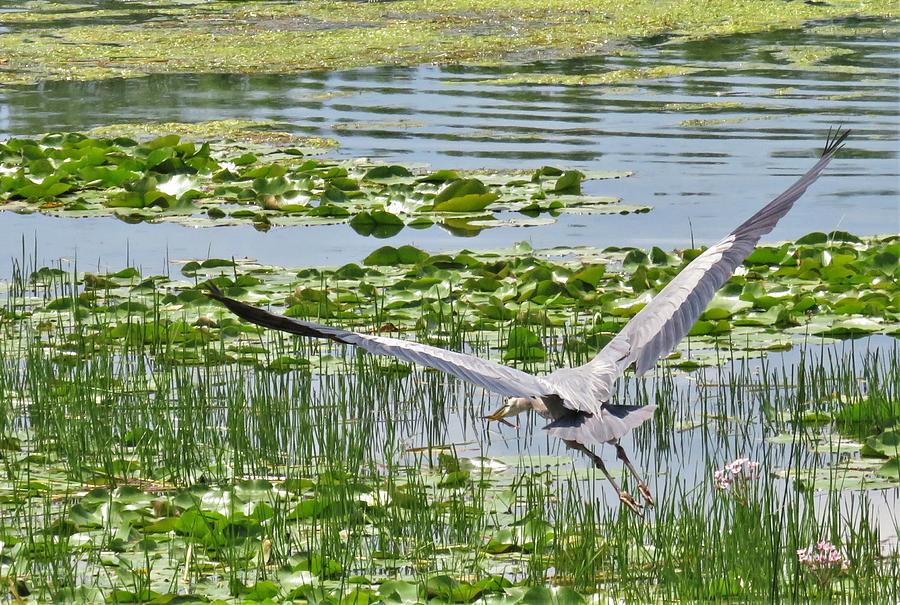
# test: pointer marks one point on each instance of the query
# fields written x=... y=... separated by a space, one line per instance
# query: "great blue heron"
x=578 y=401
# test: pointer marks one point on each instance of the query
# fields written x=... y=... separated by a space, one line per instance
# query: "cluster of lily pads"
x=527 y=305
x=166 y=179
x=257 y=541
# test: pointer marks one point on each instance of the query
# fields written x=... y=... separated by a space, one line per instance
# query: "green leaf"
x=890 y=469
x=569 y=182
x=170 y=140
x=388 y=255
x=723 y=308
x=545 y=171
x=398 y=592
x=386 y=173
x=843 y=236
x=816 y=237
x=158 y=156
x=538 y=595
x=263 y=589
x=454 y=479
x=767 y=255
x=635 y=258
x=523 y=345
x=466 y=203
x=163 y=526
x=440 y=176
x=244 y=160
x=460 y=188
x=376 y=217
x=344 y=183
x=591 y=275
x=887 y=443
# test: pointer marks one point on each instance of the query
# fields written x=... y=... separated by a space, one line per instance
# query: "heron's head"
x=512 y=407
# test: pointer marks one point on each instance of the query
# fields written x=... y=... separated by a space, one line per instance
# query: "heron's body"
x=579 y=401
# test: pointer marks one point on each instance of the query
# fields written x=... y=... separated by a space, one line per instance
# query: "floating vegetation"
x=251 y=131
x=568 y=301
x=290 y=37
x=713 y=122
x=807 y=55
x=132 y=475
x=611 y=77
x=72 y=175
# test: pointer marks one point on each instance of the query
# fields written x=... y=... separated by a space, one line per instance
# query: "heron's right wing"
x=481 y=372
x=660 y=326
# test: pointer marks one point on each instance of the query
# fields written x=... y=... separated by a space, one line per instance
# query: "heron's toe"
x=645 y=493
x=630 y=502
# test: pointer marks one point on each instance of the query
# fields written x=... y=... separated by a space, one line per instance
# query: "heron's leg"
x=642 y=487
x=626 y=498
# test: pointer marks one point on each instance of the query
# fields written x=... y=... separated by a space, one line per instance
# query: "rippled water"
x=706 y=148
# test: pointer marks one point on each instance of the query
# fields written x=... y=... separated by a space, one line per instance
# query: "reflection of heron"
x=578 y=400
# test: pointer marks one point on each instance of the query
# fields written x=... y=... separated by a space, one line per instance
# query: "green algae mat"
x=49 y=40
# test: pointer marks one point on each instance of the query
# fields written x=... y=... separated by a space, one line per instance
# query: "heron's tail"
x=612 y=422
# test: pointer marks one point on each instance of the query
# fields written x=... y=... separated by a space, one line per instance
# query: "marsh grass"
x=129 y=474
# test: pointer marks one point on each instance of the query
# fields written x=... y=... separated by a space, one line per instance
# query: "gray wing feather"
x=486 y=374
x=660 y=326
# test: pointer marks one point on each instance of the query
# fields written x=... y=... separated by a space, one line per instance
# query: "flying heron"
x=579 y=401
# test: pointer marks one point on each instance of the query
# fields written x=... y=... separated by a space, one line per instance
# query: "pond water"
x=706 y=147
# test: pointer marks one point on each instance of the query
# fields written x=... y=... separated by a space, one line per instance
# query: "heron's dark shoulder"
x=620 y=411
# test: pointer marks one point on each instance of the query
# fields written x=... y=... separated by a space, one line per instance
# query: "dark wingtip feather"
x=265 y=319
x=835 y=140
x=213 y=292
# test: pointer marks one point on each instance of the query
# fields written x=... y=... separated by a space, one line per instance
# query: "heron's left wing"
x=481 y=372
x=660 y=326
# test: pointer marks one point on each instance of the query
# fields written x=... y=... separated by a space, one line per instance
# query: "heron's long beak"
x=498 y=416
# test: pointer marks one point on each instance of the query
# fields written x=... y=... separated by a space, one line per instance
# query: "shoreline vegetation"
x=44 y=40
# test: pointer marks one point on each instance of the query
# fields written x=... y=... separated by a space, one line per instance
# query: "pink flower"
x=822 y=559
x=722 y=480
x=741 y=469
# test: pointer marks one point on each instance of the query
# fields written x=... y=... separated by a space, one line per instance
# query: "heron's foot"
x=645 y=493
x=630 y=502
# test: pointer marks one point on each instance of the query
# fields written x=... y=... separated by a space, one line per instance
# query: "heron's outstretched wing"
x=661 y=325
x=486 y=374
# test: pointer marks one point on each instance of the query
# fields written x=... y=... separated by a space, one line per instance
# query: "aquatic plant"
x=72 y=175
x=152 y=447
x=280 y=38
x=824 y=562
x=738 y=472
